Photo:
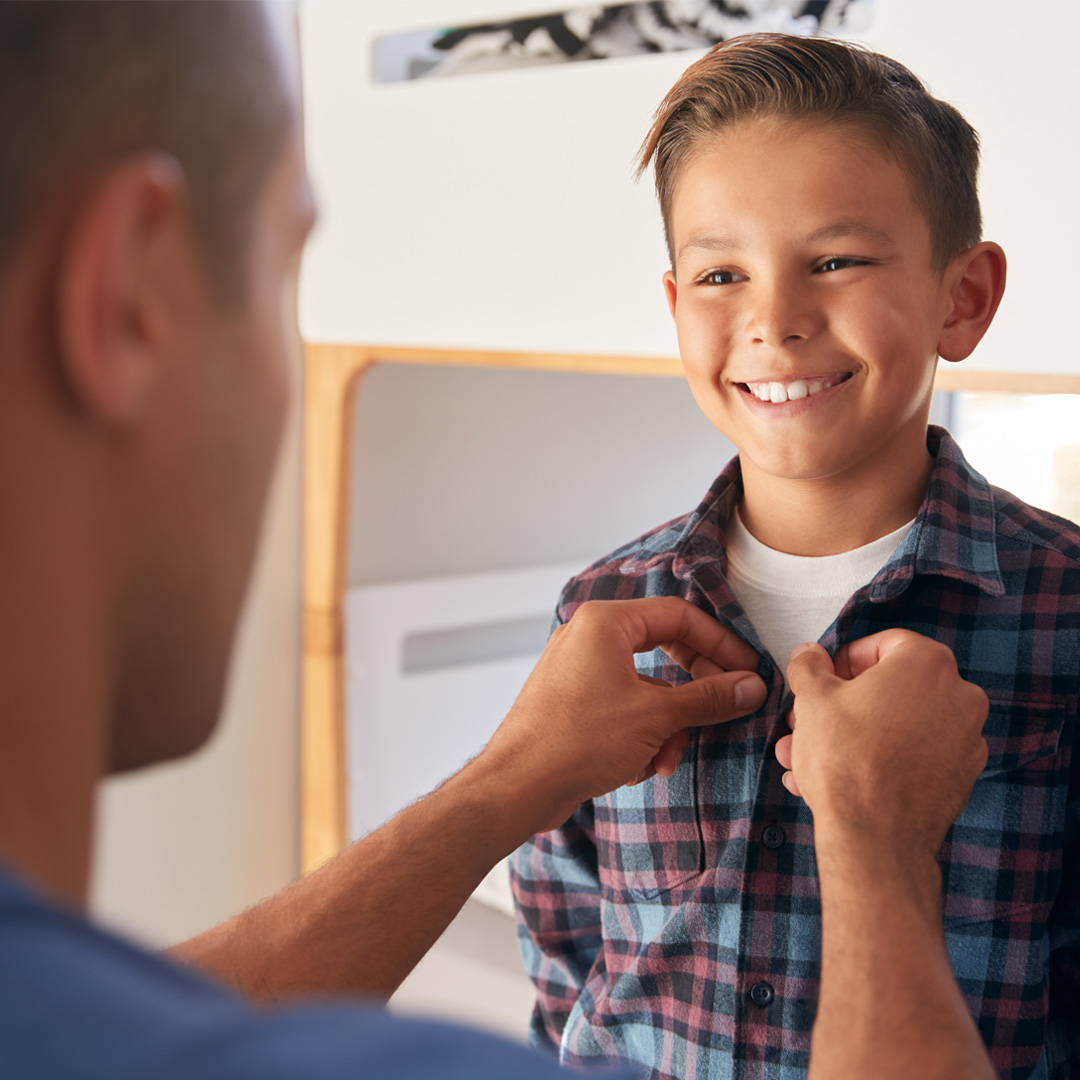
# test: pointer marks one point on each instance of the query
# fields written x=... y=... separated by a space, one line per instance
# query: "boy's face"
x=807 y=306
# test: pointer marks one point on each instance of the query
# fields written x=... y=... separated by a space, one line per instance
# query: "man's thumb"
x=716 y=698
x=808 y=662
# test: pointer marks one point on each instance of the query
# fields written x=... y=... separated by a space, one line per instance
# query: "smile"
x=779 y=392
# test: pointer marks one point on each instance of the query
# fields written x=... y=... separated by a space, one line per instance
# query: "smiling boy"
x=825 y=240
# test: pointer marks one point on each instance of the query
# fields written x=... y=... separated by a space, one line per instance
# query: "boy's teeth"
x=777 y=392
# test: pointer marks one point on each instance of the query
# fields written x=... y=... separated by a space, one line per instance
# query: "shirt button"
x=762 y=994
x=765 y=669
x=773 y=837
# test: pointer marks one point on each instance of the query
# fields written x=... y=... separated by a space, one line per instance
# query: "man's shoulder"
x=641 y=567
x=75 y=1001
x=328 y=1042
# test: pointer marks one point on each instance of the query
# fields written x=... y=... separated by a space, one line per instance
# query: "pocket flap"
x=1022 y=729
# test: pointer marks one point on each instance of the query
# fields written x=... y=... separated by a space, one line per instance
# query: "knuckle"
x=948 y=658
x=982 y=702
x=589 y=612
x=978 y=704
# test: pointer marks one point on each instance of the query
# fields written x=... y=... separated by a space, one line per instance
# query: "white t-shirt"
x=792 y=599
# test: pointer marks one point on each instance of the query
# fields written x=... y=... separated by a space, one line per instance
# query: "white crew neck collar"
x=807 y=575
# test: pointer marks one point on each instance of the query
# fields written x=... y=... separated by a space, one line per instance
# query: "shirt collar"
x=953 y=536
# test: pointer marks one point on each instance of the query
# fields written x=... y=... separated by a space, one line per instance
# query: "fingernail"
x=750 y=693
x=785 y=781
x=800 y=649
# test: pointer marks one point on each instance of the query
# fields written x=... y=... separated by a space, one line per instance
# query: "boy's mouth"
x=795 y=390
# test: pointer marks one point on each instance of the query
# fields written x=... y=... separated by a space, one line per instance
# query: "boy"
x=823 y=225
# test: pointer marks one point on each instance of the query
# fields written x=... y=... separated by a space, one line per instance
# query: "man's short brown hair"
x=84 y=85
x=823 y=80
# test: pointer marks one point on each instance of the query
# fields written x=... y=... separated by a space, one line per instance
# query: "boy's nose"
x=781 y=315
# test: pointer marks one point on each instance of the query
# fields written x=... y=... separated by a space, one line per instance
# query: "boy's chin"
x=794 y=467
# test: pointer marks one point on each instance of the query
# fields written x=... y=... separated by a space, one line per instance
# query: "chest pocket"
x=648 y=836
x=1002 y=857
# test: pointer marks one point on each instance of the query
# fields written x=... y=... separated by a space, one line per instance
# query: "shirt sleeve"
x=1065 y=933
x=557 y=895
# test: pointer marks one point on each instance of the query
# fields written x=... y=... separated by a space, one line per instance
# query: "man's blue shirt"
x=80 y=1004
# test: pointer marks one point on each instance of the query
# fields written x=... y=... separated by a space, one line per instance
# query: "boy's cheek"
x=702 y=352
x=705 y=366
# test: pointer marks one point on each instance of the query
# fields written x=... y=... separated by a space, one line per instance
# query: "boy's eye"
x=721 y=277
x=838 y=262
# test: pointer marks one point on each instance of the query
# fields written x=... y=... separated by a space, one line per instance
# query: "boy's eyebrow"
x=837 y=231
x=843 y=229
x=710 y=243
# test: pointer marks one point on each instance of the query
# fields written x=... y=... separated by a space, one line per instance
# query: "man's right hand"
x=585 y=722
x=888 y=740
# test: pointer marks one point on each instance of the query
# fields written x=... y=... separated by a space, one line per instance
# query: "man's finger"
x=668 y=757
x=783 y=751
x=690 y=660
x=808 y=664
x=661 y=620
x=858 y=656
x=699 y=667
x=715 y=699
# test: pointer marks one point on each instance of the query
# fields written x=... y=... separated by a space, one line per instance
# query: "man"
x=154 y=203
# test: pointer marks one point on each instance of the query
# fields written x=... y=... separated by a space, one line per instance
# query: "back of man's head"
x=84 y=85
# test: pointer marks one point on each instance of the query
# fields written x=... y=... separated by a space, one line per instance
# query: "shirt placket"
x=773 y=1007
x=758 y=1011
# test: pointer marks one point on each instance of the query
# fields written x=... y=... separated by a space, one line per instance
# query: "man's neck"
x=53 y=703
x=834 y=514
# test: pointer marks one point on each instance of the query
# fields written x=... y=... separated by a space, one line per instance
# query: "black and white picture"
x=601 y=32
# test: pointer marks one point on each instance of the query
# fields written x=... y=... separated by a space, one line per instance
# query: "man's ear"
x=977 y=280
x=110 y=299
x=671 y=290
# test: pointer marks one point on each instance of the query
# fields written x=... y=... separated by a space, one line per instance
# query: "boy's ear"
x=111 y=288
x=671 y=290
x=976 y=284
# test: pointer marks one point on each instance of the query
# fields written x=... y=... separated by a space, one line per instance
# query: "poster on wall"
x=602 y=32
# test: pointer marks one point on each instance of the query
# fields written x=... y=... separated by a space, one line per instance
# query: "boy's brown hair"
x=759 y=76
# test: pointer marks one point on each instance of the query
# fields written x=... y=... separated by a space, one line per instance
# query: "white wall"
x=498 y=211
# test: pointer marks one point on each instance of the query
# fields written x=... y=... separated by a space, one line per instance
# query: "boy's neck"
x=834 y=514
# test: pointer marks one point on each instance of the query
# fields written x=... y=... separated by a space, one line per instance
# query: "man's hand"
x=889 y=740
x=586 y=722
x=885 y=748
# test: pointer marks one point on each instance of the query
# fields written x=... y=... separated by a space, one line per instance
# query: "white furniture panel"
x=432 y=667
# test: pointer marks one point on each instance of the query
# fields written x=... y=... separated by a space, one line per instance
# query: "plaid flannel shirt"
x=677 y=923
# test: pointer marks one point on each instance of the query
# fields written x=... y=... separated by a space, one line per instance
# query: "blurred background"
x=497 y=210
